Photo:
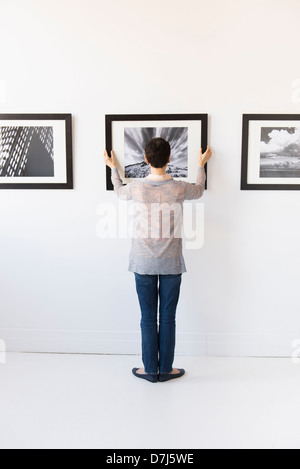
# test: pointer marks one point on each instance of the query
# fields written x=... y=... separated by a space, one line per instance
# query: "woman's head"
x=158 y=152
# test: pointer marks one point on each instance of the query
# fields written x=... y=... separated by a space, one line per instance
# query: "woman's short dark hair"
x=158 y=152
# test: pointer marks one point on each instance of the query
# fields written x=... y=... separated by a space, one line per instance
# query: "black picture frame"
x=247 y=118
x=67 y=119
x=109 y=119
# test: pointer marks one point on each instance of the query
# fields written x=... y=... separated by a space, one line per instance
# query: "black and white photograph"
x=26 y=152
x=136 y=140
x=36 y=151
x=280 y=152
x=128 y=136
x=271 y=152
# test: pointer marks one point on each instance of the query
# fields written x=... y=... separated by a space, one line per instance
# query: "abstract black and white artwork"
x=35 y=152
x=271 y=152
x=128 y=136
x=26 y=152
x=136 y=140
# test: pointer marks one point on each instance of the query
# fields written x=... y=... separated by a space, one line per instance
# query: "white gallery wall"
x=62 y=288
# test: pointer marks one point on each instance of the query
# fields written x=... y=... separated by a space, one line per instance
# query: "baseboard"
x=251 y=345
x=128 y=343
x=71 y=341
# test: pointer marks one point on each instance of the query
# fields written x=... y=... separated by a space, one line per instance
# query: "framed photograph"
x=128 y=136
x=271 y=152
x=36 y=151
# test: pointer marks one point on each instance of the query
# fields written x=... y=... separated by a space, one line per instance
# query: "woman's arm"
x=122 y=191
x=196 y=191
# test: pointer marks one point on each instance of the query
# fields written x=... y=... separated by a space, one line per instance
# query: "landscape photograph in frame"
x=271 y=152
x=128 y=136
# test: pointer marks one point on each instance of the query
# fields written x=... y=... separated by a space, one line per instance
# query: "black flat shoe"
x=150 y=378
x=167 y=377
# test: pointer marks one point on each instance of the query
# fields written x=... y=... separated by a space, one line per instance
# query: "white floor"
x=89 y=401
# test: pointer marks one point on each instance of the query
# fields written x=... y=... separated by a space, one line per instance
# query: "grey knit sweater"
x=157 y=241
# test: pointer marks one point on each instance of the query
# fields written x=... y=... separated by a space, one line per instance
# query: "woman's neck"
x=159 y=171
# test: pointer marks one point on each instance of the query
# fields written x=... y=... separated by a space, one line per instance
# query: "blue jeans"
x=158 y=342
